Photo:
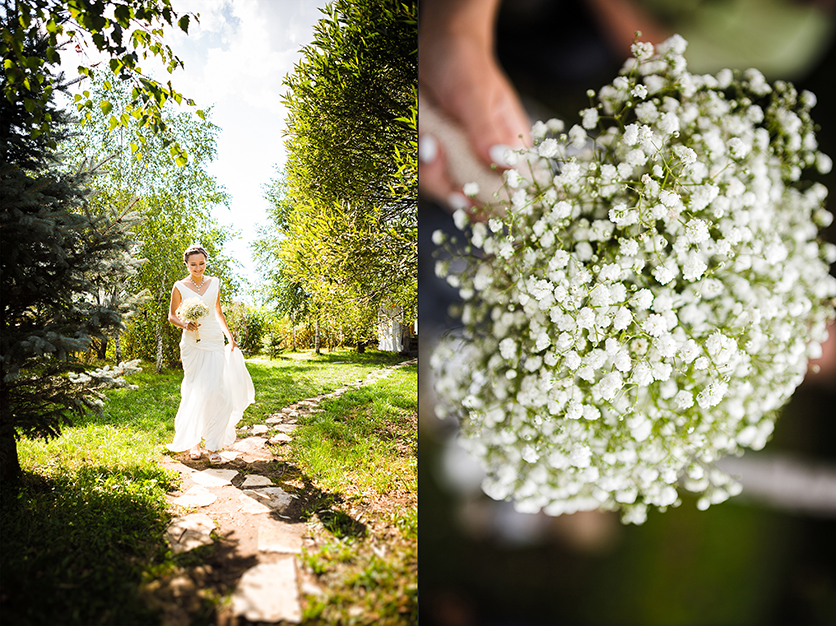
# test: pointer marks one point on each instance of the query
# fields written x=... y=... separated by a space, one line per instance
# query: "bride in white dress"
x=216 y=386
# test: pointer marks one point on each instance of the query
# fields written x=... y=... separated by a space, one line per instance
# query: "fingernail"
x=458 y=201
x=498 y=154
x=427 y=148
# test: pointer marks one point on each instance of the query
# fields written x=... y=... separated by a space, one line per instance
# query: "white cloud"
x=243 y=49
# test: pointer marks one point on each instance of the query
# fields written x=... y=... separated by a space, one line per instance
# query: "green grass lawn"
x=86 y=528
x=363 y=445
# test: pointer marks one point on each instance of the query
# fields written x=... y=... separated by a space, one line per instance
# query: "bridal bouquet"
x=649 y=296
x=192 y=310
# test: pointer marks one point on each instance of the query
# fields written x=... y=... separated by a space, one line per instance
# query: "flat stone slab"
x=252 y=506
x=214 y=477
x=274 y=419
x=286 y=428
x=190 y=532
x=281 y=438
x=268 y=593
x=195 y=496
x=229 y=455
x=274 y=536
x=274 y=497
x=249 y=444
x=260 y=429
x=255 y=480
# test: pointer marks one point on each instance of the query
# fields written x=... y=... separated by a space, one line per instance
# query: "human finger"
x=433 y=176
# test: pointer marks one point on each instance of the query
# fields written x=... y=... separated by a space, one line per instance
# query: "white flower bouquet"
x=192 y=310
x=649 y=296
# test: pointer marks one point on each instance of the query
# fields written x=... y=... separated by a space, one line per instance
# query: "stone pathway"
x=255 y=521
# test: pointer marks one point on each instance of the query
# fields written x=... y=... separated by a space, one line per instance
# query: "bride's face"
x=196 y=264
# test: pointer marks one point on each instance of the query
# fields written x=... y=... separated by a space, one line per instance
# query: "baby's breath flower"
x=471 y=189
x=590 y=118
x=641 y=310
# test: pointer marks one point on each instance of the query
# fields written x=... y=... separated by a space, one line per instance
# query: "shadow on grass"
x=75 y=547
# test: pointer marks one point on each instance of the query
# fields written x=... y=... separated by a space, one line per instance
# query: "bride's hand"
x=233 y=344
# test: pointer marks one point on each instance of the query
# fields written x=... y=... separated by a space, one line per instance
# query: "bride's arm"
x=172 y=311
x=222 y=320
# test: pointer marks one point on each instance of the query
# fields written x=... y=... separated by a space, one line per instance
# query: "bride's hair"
x=193 y=250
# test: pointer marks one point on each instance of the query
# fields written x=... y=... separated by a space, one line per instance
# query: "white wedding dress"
x=216 y=385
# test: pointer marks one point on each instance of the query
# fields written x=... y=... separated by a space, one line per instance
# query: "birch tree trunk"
x=158 y=326
x=159 y=332
x=317 y=338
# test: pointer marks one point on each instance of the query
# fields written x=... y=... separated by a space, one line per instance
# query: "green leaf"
x=183 y=23
x=201 y=114
x=122 y=13
x=113 y=122
x=106 y=107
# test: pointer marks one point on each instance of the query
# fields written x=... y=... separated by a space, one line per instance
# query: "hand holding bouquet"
x=648 y=298
x=192 y=310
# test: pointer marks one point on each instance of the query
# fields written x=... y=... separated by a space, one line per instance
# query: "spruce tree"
x=57 y=260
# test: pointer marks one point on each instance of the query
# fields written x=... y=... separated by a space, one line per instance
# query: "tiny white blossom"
x=669 y=123
x=460 y=219
x=684 y=400
x=507 y=348
x=577 y=136
x=655 y=325
x=539 y=130
x=694 y=268
x=548 y=149
x=555 y=125
x=696 y=230
x=642 y=49
x=471 y=189
x=590 y=118
x=642 y=299
x=669 y=198
x=664 y=274
x=631 y=134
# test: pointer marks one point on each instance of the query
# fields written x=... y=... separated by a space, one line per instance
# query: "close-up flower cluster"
x=648 y=297
x=192 y=310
